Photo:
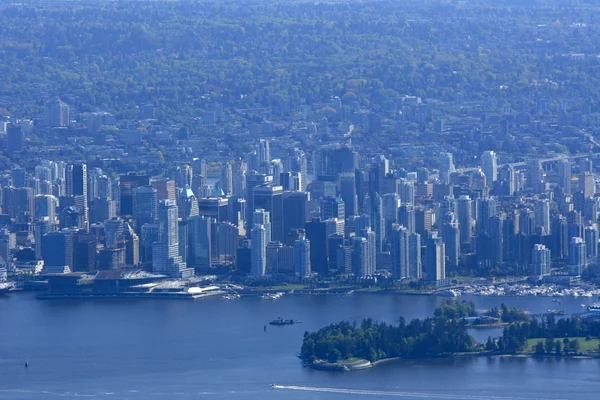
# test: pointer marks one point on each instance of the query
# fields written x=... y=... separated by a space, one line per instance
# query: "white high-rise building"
x=489 y=166
x=446 y=167
x=465 y=218
x=302 y=257
x=263 y=218
x=258 y=263
x=540 y=260
x=577 y=256
x=263 y=151
x=165 y=252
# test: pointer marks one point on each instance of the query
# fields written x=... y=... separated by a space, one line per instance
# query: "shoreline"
x=364 y=364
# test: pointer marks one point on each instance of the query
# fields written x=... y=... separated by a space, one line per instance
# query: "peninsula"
x=348 y=346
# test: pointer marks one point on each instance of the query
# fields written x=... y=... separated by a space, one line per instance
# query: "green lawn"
x=585 y=345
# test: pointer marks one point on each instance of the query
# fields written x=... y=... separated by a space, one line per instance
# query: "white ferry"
x=594 y=307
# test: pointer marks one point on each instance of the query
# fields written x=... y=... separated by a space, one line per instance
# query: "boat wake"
x=414 y=395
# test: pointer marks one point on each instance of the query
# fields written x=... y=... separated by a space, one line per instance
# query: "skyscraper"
x=564 y=175
x=540 y=260
x=226 y=178
x=165 y=189
x=451 y=237
x=77 y=181
x=263 y=151
x=446 y=167
x=465 y=219
x=436 y=259
x=489 y=166
x=145 y=206
x=577 y=256
x=542 y=216
x=406 y=217
x=259 y=251
x=591 y=243
x=57 y=113
x=57 y=251
x=253 y=180
x=45 y=206
x=302 y=266
x=263 y=217
x=406 y=253
x=332 y=207
x=270 y=198
x=200 y=243
x=348 y=194
x=165 y=252
x=360 y=257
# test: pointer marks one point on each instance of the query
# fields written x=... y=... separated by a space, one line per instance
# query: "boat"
x=449 y=293
x=280 y=322
x=6 y=287
x=231 y=296
x=272 y=386
x=594 y=307
x=272 y=296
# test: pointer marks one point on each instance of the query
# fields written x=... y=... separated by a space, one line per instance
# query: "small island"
x=347 y=346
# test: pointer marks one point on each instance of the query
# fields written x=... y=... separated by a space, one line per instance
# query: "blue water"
x=210 y=348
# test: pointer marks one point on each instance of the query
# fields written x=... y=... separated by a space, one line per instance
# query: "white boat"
x=231 y=296
x=449 y=293
x=272 y=296
x=594 y=308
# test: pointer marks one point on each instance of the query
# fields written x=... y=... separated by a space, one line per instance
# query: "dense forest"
x=446 y=334
x=180 y=56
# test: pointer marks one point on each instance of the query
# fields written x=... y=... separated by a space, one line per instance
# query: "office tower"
x=535 y=173
x=496 y=249
x=165 y=189
x=165 y=251
x=255 y=179
x=334 y=160
x=263 y=151
x=424 y=220
x=294 y=211
x=360 y=257
x=564 y=175
x=57 y=252
x=487 y=210
x=296 y=162
x=333 y=242
x=183 y=237
x=465 y=219
x=84 y=252
x=422 y=175
x=591 y=242
x=275 y=169
x=41 y=227
x=348 y=194
x=188 y=204
x=316 y=233
x=406 y=217
x=542 y=216
x=270 y=198
x=489 y=166
x=587 y=185
x=507 y=175
x=216 y=208
x=332 y=207
x=227 y=242
x=127 y=185
x=227 y=178
x=132 y=246
x=577 y=256
x=259 y=251
x=527 y=222
x=302 y=265
x=560 y=237
x=448 y=205
x=446 y=167
x=407 y=192
x=45 y=206
x=111 y=259
x=14 y=138
x=451 y=236
x=435 y=265
x=377 y=221
x=113 y=232
x=334 y=226
x=77 y=181
x=263 y=217
x=590 y=208
x=238 y=178
x=57 y=113
x=540 y=260
x=18 y=176
x=145 y=206
x=391 y=205
x=200 y=243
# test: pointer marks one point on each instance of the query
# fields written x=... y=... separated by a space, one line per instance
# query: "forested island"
x=340 y=346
